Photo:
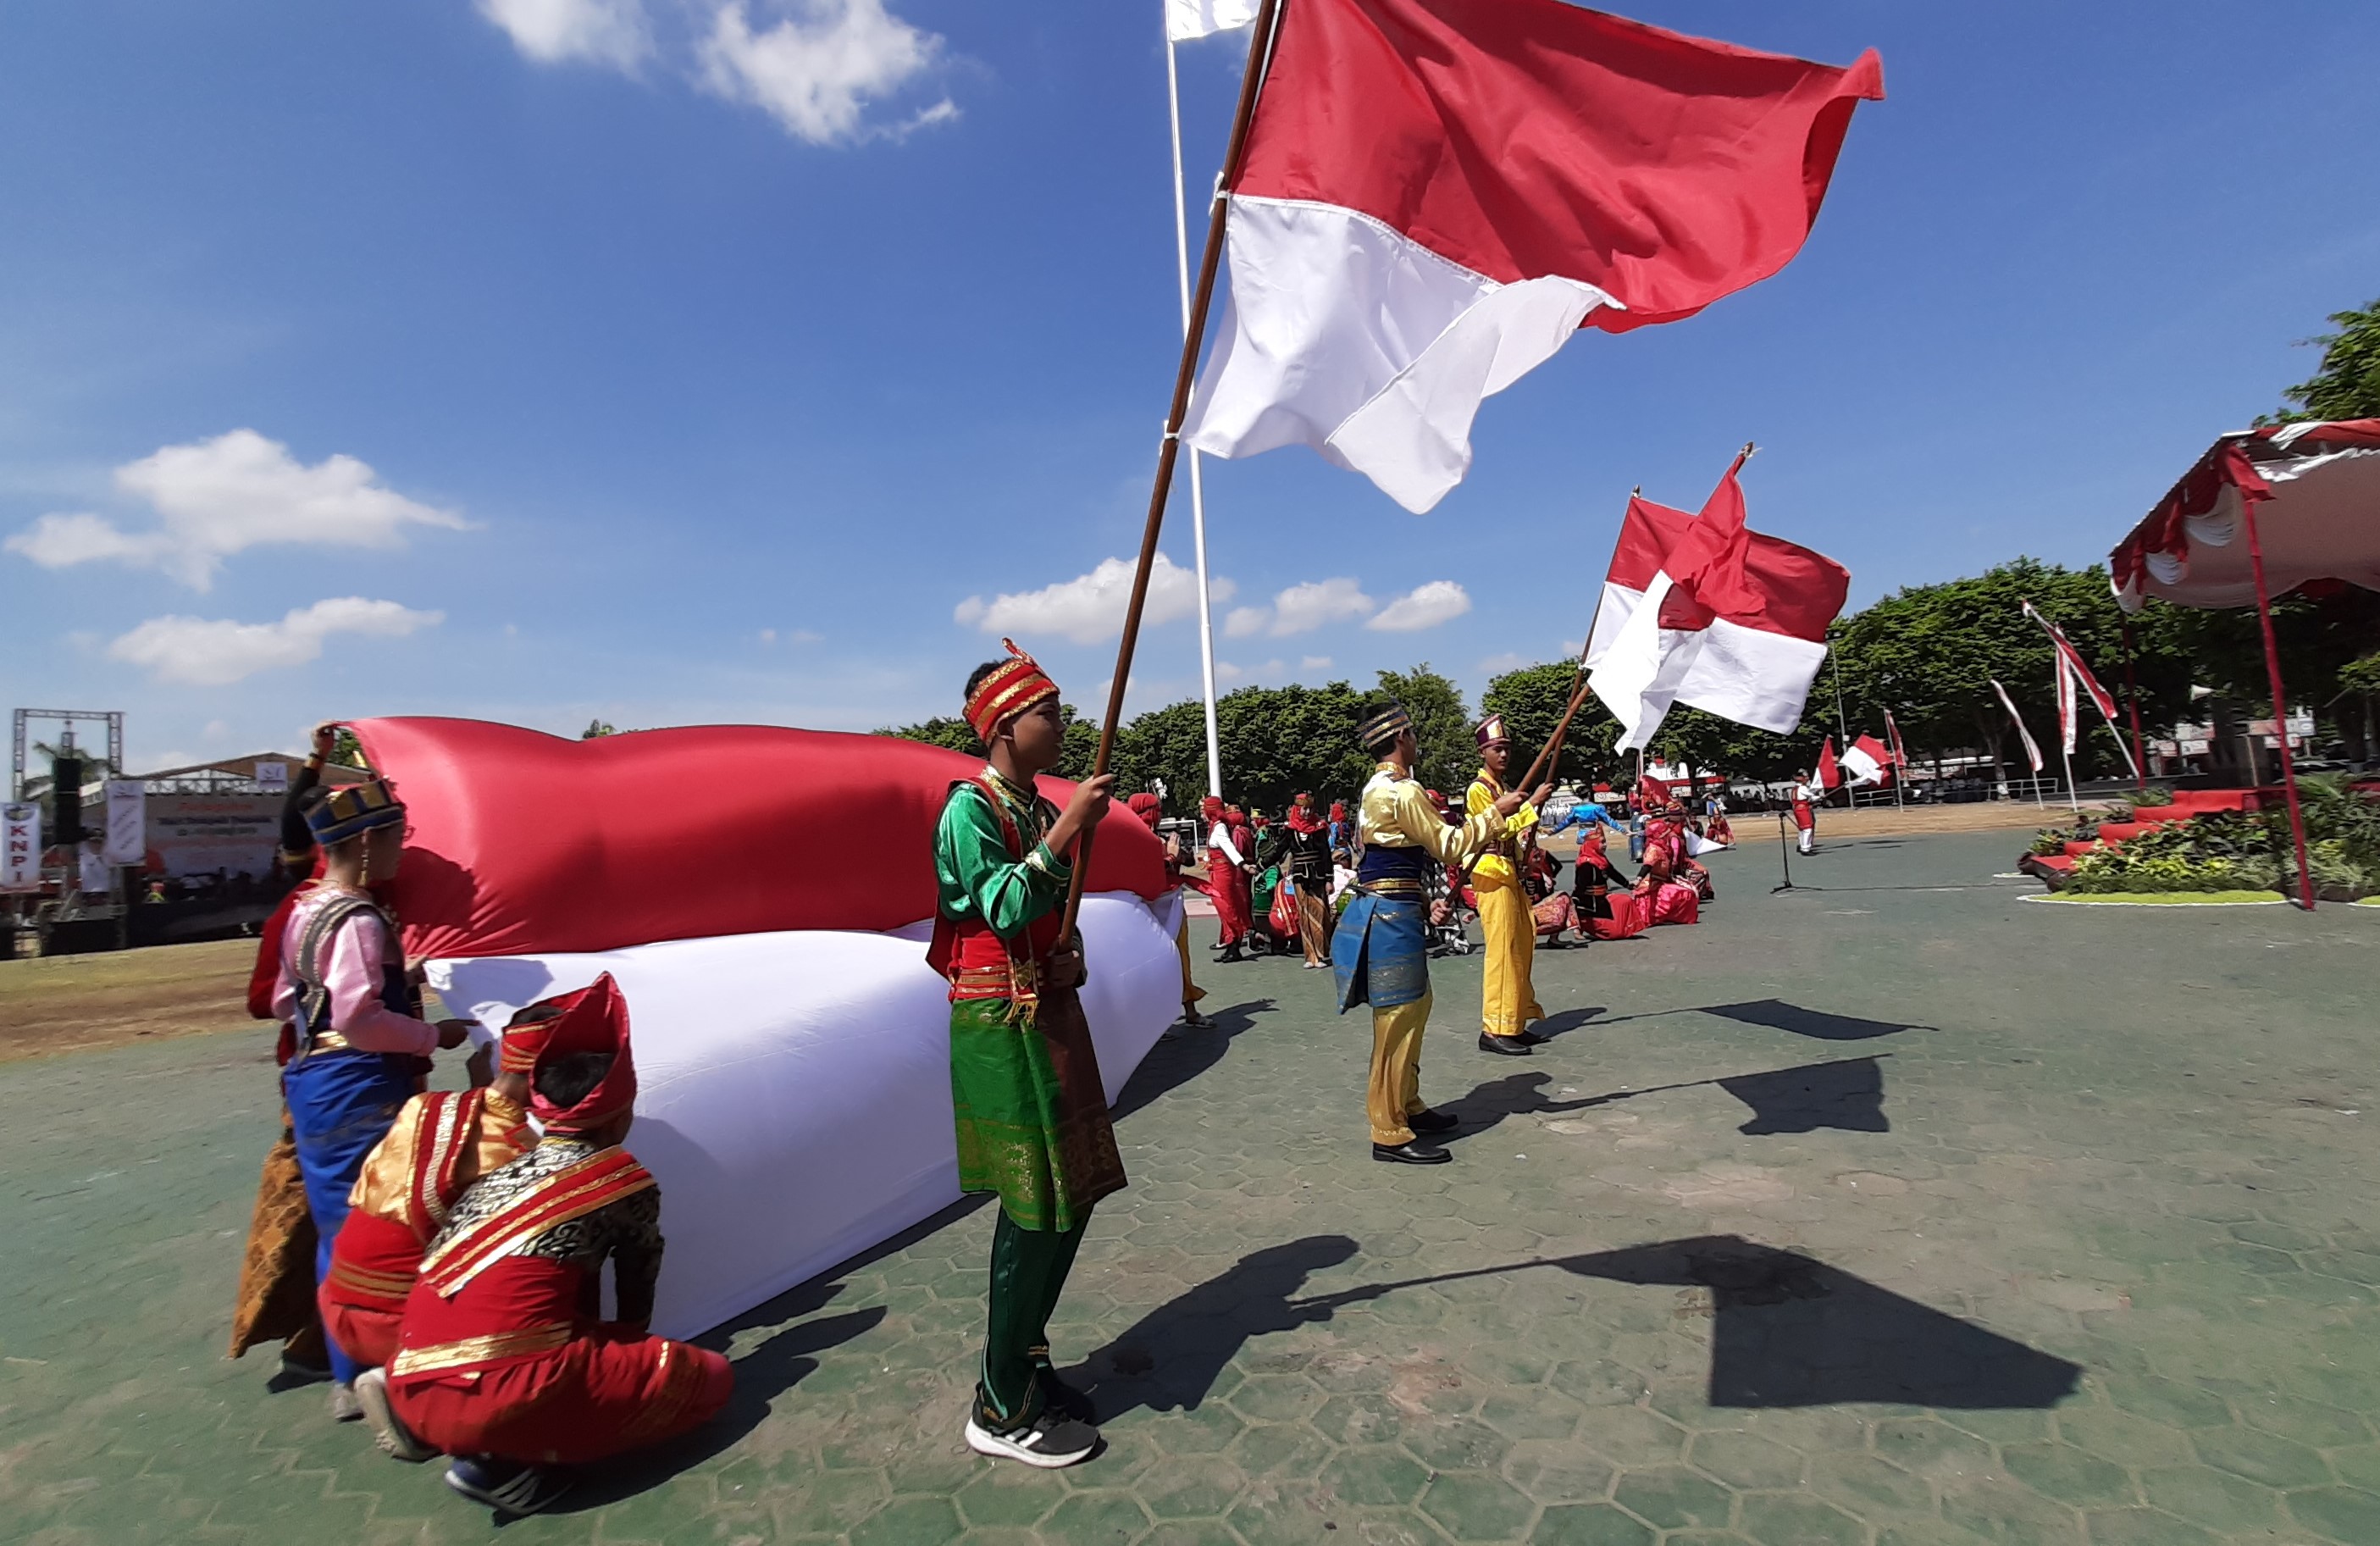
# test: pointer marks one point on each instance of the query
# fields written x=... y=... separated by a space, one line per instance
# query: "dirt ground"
x=70 y=1003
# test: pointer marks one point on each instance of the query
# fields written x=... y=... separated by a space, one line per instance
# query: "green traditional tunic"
x=1025 y=1079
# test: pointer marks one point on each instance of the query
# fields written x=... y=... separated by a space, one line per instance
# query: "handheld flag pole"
x=1169 y=449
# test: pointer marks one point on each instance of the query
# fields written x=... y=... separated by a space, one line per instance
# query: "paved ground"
x=1896 y=1212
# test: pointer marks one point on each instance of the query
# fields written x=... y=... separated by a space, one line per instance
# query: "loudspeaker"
x=66 y=801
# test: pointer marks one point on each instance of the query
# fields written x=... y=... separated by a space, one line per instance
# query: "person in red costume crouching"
x=502 y=1362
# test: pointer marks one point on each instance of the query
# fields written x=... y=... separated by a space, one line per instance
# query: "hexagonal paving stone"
x=1477 y=1506
x=2123 y=1438
x=1870 y=1485
x=1191 y=1486
x=1997 y=1509
x=1094 y=1520
x=1008 y=1495
x=1933 y=1448
x=2144 y=1526
x=1457 y=1444
x=1745 y=1459
x=1590 y=1525
x=1632 y=1435
x=1797 y=1519
x=1558 y=1471
x=1674 y=1497
x=1531 y=1412
x=1186 y=1532
x=908 y=1522
x=1360 y=1419
x=1276 y=1397
x=2175 y=1403
x=1280 y=1448
x=2260 y=1457
x=2219 y=1500
x=2070 y=1474
x=2348 y=1515
x=1379 y=1474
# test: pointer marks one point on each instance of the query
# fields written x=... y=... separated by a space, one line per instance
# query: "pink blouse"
x=360 y=952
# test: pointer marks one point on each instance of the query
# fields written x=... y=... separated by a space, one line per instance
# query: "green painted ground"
x=1891 y=1212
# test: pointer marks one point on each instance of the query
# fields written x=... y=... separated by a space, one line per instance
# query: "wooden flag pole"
x=1170 y=449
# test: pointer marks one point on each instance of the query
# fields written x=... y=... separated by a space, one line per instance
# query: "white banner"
x=197 y=834
x=273 y=778
x=127 y=822
x=20 y=847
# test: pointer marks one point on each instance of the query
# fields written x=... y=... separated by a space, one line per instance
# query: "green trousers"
x=1029 y=1271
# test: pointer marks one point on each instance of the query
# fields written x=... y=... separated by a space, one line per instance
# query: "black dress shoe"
x=1530 y=1038
x=1504 y=1046
x=1413 y=1152
x=1433 y=1122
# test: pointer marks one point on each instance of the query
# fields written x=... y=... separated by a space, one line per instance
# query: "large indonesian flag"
x=1437 y=194
x=1705 y=612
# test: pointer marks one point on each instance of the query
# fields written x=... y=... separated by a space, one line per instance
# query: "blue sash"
x=1381 y=952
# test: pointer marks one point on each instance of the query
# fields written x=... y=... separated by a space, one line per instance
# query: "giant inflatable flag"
x=1437 y=194
x=762 y=899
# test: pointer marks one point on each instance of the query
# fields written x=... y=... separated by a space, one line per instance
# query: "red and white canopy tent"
x=2262 y=513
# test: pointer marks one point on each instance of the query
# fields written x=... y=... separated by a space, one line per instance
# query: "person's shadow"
x=1846 y=1094
x=1183 y=1053
x=1170 y=1358
x=1566 y=1022
x=1818 y=1024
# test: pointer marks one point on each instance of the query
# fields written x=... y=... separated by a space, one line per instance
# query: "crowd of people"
x=436 y=1256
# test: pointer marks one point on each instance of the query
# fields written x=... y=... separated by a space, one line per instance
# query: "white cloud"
x=210 y=653
x=1315 y=663
x=217 y=497
x=611 y=32
x=1226 y=672
x=817 y=69
x=1246 y=620
x=1303 y=608
x=1090 y=607
x=1495 y=665
x=1425 y=607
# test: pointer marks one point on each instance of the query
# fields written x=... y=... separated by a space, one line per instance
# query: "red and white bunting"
x=2069 y=660
x=2032 y=749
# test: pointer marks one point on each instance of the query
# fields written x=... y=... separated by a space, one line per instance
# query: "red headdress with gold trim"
x=1007 y=690
x=594 y=1019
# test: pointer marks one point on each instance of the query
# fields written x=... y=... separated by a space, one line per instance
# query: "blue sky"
x=692 y=361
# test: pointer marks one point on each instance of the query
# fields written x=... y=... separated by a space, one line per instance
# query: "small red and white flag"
x=1704 y=611
x=1830 y=775
x=1892 y=732
x=1436 y=194
x=1869 y=760
x=2031 y=751
x=2072 y=670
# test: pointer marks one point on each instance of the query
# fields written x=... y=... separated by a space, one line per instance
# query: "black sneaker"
x=511 y=1487
x=1047 y=1441
x=1062 y=1397
x=1433 y=1122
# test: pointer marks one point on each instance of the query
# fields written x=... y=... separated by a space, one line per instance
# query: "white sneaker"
x=389 y=1432
x=1049 y=1441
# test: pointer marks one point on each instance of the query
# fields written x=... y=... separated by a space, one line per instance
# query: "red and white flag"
x=1869 y=761
x=1436 y=194
x=2072 y=670
x=2031 y=751
x=1186 y=19
x=1892 y=732
x=1704 y=611
x=1830 y=776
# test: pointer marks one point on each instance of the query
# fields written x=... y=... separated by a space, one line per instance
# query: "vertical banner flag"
x=2070 y=659
x=1830 y=776
x=1892 y=734
x=2031 y=751
x=20 y=847
x=1437 y=193
x=2068 y=712
x=128 y=821
x=1701 y=610
x=1189 y=20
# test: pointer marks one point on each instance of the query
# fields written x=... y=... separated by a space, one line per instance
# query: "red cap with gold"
x=1014 y=686
x=1490 y=731
x=594 y=1019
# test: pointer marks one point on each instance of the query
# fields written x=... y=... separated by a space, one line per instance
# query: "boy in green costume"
x=1025 y=1079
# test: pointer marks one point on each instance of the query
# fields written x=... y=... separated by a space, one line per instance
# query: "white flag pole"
x=1197 y=488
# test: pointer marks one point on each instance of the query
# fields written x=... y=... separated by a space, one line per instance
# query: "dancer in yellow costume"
x=1509 y=999
x=1379 y=950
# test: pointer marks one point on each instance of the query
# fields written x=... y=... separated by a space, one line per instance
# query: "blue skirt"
x=1381 y=952
x=340 y=1104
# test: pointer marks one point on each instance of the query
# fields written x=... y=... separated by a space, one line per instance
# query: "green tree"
x=942 y=730
x=1532 y=699
x=596 y=729
x=2346 y=384
x=1441 y=723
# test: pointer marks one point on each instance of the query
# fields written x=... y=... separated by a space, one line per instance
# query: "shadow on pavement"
x=1567 y=1021
x=1181 y=1054
x=1790 y=1331
x=1847 y=1094
x=1170 y=1358
x=1818 y=1024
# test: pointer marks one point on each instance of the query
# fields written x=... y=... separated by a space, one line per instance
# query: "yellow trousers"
x=1509 y=1001
x=1191 y=992
x=1395 y=1090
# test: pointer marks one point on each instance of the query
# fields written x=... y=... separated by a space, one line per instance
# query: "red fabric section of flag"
x=1892 y=732
x=525 y=843
x=1527 y=137
x=1797 y=591
x=1880 y=752
x=1830 y=776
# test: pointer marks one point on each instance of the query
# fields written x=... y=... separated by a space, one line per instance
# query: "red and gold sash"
x=572 y=1192
x=450 y=1121
x=977 y=962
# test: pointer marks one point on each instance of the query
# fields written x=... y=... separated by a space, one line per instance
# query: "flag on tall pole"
x=1701 y=610
x=1830 y=775
x=1188 y=19
x=1437 y=193
x=1868 y=761
x=1892 y=732
x=2071 y=660
x=2032 y=749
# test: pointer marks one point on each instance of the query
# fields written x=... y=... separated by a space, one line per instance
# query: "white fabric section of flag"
x=784 y=1142
x=2031 y=751
x=1347 y=335
x=1745 y=675
x=1863 y=768
x=2068 y=709
x=1186 y=19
